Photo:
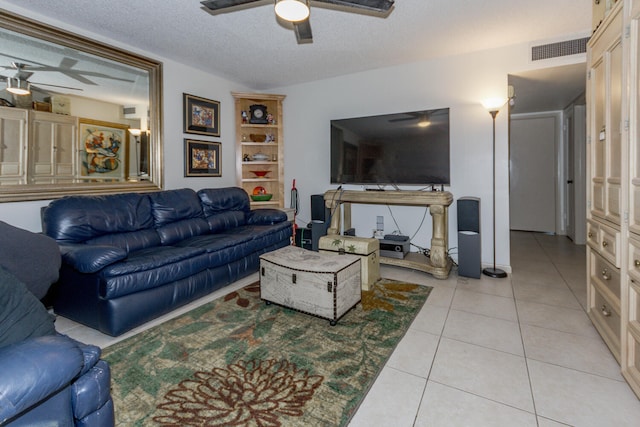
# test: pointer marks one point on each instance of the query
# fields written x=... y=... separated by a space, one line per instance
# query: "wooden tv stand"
x=439 y=262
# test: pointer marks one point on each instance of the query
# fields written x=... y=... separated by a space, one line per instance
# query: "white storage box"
x=323 y=285
x=367 y=249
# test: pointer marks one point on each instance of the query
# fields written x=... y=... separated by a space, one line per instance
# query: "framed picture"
x=201 y=116
x=103 y=148
x=201 y=158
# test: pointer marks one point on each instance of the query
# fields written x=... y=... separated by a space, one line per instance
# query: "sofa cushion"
x=22 y=315
x=217 y=200
x=266 y=216
x=177 y=215
x=151 y=268
x=76 y=219
x=130 y=242
x=91 y=258
x=175 y=205
x=225 y=221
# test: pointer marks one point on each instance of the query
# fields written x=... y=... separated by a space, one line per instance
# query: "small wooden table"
x=439 y=263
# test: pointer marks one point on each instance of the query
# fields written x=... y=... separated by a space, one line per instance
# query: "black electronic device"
x=394 y=248
x=397 y=149
x=319 y=212
x=396 y=237
x=258 y=114
x=469 y=241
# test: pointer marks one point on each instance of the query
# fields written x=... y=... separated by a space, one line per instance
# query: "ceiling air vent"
x=554 y=50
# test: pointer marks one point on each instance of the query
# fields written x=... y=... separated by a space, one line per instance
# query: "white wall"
x=460 y=83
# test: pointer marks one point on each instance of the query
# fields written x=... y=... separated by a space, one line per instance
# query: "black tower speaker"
x=469 y=242
x=318 y=210
x=320 y=219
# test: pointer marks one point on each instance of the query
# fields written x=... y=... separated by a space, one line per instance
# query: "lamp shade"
x=493 y=104
x=135 y=132
x=18 y=86
x=292 y=10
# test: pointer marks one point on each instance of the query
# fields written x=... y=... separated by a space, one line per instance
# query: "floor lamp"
x=493 y=106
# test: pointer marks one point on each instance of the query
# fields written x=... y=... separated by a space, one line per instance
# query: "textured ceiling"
x=251 y=47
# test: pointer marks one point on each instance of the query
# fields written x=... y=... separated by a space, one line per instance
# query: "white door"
x=532 y=173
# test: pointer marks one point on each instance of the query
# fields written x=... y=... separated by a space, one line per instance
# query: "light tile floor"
x=519 y=351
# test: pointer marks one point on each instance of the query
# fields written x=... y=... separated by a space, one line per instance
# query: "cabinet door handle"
x=605 y=274
x=605 y=311
x=605 y=244
x=636 y=262
x=590 y=234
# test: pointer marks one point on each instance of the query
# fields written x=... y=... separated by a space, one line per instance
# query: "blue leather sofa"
x=46 y=379
x=128 y=258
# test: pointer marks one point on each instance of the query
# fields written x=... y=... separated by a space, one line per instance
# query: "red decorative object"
x=260 y=174
x=259 y=190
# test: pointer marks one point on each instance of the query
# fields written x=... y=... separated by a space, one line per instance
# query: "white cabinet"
x=613 y=229
x=53 y=146
x=37 y=147
x=13 y=143
x=630 y=345
x=604 y=91
x=605 y=136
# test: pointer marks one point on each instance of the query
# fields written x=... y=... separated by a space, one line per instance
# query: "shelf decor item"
x=202 y=158
x=201 y=115
x=260 y=174
x=261 y=197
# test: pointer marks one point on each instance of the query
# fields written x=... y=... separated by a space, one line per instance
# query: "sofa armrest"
x=34 y=369
x=91 y=258
x=265 y=216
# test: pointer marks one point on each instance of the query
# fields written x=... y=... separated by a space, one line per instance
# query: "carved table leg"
x=334 y=208
x=439 y=242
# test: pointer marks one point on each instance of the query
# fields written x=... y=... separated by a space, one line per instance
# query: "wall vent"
x=128 y=111
x=554 y=50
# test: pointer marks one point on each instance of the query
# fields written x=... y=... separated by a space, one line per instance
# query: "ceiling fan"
x=423 y=117
x=19 y=84
x=297 y=11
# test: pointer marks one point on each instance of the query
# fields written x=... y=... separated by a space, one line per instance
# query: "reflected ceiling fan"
x=19 y=84
x=423 y=117
x=297 y=11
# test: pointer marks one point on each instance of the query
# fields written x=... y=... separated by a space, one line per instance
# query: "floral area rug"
x=237 y=361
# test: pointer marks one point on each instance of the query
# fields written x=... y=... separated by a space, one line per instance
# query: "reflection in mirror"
x=76 y=116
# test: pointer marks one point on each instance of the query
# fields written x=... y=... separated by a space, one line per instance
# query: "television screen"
x=393 y=149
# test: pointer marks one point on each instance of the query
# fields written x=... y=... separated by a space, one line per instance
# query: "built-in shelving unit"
x=260 y=147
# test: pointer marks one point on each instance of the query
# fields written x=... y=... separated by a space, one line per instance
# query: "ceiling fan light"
x=292 y=10
x=18 y=86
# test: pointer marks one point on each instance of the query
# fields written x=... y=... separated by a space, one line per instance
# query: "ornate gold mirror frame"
x=153 y=173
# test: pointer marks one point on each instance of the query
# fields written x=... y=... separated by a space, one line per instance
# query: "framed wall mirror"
x=76 y=116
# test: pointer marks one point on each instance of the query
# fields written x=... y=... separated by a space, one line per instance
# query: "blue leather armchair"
x=46 y=379
x=54 y=380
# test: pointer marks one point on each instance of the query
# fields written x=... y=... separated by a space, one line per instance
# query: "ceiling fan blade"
x=23 y=75
x=62 y=87
x=224 y=4
x=373 y=5
x=303 y=31
x=402 y=120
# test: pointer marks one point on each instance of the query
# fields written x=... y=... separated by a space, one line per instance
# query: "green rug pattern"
x=239 y=362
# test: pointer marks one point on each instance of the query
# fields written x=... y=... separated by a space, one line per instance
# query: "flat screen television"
x=392 y=149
